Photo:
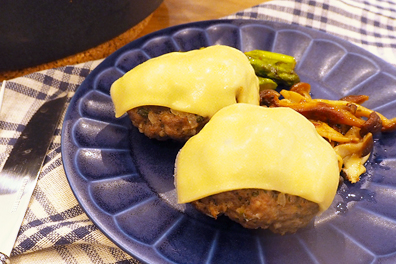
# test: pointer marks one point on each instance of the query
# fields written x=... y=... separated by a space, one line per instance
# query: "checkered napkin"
x=370 y=24
x=55 y=228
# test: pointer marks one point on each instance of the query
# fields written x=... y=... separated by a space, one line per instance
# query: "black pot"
x=33 y=32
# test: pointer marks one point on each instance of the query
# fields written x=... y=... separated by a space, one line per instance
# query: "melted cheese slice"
x=247 y=146
x=199 y=82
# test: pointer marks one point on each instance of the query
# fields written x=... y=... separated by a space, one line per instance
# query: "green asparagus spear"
x=266 y=83
x=275 y=66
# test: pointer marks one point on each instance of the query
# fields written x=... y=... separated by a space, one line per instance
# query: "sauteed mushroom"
x=354 y=155
x=345 y=123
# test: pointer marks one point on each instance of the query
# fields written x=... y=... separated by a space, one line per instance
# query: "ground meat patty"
x=255 y=208
x=164 y=123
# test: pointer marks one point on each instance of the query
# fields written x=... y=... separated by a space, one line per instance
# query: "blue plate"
x=124 y=181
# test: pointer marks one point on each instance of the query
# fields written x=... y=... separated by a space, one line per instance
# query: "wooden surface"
x=174 y=12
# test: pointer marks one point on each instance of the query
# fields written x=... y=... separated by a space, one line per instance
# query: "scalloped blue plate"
x=124 y=181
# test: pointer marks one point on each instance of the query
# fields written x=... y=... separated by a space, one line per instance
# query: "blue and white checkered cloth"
x=370 y=24
x=55 y=228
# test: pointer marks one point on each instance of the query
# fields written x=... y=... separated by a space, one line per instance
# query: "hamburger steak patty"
x=256 y=208
x=164 y=123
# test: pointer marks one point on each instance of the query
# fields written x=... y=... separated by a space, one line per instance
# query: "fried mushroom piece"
x=163 y=123
x=255 y=208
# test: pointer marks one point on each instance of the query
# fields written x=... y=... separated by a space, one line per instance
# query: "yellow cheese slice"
x=199 y=82
x=248 y=146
